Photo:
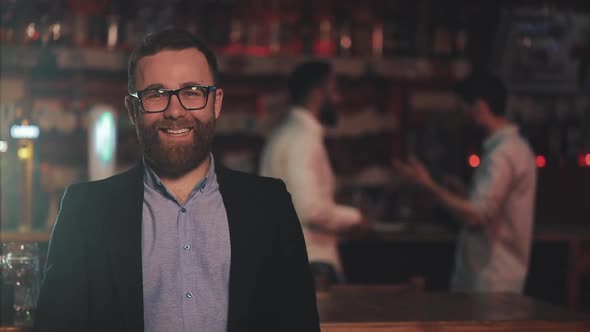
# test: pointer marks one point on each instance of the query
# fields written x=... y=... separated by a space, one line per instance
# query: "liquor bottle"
x=89 y=24
x=362 y=31
x=442 y=42
x=272 y=16
x=8 y=22
x=289 y=19
x=324 y=44
x=257 y=30
x=306 y=27
x=237 y=31
x=343 y=20
x=388 y=24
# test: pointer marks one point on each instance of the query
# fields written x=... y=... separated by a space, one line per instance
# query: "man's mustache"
x=176 y=124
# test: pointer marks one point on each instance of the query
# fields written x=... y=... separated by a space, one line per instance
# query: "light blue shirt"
x=186 y=257
x=495 y=256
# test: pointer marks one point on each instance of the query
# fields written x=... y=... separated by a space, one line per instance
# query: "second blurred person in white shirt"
x=295 y=152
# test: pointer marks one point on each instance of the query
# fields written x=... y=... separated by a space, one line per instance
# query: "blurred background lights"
x=473 y=161
x=25 y=152
x=541 y=161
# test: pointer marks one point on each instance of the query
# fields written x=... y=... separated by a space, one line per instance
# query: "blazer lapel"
x=125 y=247
x=242 y=276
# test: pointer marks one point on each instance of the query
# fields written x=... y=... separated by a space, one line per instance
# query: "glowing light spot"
x=541 y=161
x=473 y=161
x=24 y=153
x=345 y=42
x=105 y=137
x=24 y=131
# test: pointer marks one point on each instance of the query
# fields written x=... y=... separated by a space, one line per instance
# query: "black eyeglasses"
x=192 y=97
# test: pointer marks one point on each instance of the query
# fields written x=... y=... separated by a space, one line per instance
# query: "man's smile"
x=176 y=131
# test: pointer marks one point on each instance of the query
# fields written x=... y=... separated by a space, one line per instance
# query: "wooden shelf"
x=99 y=59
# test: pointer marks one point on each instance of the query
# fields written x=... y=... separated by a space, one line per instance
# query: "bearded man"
x=295 y=153
x=178 y=243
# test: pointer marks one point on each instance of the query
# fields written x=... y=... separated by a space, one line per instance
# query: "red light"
x=584 y=160
x=541 y=161
x=473 y=160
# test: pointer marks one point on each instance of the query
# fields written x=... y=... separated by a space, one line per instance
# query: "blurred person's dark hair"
x=168 y=39
x=486 y=86
x=305 y=77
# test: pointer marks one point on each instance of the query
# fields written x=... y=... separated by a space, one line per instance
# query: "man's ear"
x=218 y=102
x=130 y=110
x=317 y=94
x=483 y=107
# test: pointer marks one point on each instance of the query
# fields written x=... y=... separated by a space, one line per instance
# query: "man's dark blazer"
x=93 y=275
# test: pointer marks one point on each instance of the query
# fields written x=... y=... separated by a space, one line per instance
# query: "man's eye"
x=193 y=92
x=154 y=94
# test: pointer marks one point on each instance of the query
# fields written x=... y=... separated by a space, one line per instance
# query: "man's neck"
x=182 y=186
x=496 y=125
x=312 y=109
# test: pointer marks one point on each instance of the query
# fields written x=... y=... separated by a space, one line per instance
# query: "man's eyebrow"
x=191 y=84
x=155 y=86
x=183 y=85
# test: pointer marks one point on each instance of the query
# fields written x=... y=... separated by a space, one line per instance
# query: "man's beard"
x=473 y=131
x=174 y=160
x=328 y=115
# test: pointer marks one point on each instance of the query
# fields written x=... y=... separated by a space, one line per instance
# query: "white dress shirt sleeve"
x=311 y=183
x=491 y=187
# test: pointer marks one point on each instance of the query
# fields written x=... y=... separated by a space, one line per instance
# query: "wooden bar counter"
x=386 y=309
x=560 y=259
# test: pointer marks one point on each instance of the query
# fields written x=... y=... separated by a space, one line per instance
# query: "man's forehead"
x=190 y=63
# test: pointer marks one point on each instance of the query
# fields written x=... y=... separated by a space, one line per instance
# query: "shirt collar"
x=303 y=115
x=153 y=180
x=500 y=135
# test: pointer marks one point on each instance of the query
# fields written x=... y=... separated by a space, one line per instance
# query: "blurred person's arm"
x=455 y=185
x=313 y=193
x=62 y=304
x=492 y=186
x=489 y=190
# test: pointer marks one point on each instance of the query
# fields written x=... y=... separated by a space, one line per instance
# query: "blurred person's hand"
x=361 y=229
x=414 y=172
x=337 y=228
x=365 y=226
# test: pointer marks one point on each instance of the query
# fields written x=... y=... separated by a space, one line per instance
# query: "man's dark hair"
x=305 y=77
x=485 y=86
x=168 y=39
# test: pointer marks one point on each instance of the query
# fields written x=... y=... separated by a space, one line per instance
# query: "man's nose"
x=175 y=109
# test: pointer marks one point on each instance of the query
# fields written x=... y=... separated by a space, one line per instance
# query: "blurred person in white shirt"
x=295 y=152
x=493 y=247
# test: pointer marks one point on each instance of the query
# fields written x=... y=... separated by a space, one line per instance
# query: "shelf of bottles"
x=399 y=39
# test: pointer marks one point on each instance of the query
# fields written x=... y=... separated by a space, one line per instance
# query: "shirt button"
x=189 y=295
x=183 y=210
x=187 y=246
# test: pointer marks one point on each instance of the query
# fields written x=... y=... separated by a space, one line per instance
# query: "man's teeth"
x=177 y=131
